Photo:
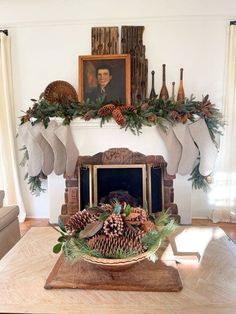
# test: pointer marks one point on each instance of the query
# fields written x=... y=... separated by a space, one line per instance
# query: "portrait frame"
x=120 y=68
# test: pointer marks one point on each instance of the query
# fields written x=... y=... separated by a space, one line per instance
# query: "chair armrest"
x=7 y=215
x=2 y=194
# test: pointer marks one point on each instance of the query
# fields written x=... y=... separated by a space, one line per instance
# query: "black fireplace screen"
x=125 y=184
x=130 y=183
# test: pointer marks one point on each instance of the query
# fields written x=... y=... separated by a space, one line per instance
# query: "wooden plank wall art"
x=105 y=40
x=132 y=43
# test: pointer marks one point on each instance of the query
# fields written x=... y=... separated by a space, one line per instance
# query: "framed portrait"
x=105 y=76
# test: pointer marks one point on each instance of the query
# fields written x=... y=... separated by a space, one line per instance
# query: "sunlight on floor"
x=190 y=245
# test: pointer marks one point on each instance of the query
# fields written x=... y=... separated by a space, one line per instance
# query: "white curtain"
x=9 y=179
x=223 y=194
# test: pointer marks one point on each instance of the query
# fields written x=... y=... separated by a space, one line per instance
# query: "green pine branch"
x=199 y=182
x=35 y=184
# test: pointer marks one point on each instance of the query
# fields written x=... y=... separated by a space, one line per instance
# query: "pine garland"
x=151 y=112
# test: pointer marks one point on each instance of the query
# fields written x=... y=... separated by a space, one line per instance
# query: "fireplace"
x=127 y=183
x=138 y=179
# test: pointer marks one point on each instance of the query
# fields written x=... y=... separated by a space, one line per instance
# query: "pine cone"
x=118 y=117
x=107 y=208
x=147 y=226
x=106 y=110
x=184 y=117
x=79 y=221
x=127 y=107
x=141 y=218
x=152 y=118
x=113 y=226
x=109 y=246
x=174 y=115
x=145 y=106
x=132 y=233
x=88 y=115
x=206 y=106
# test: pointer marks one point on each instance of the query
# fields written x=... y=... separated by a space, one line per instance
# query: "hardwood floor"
x=229 y=228
x=33 y=222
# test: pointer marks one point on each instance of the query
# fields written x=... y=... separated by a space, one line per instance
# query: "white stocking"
x=34 y=151
x=190 y=151
x=48 y=156
x=208 y=151
x=173 y=147
x=65 y=136
x=57 y=147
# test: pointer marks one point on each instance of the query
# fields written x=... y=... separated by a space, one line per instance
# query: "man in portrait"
x=106 y=86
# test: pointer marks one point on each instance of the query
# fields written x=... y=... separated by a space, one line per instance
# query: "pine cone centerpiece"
x=113 y=226
x=114 y=236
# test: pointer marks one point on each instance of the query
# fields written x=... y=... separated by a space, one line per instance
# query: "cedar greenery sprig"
x=35 y=184
x=164 y=227
x=155 y=238
x=75 y=248
x=163 y=218
x=198 y=181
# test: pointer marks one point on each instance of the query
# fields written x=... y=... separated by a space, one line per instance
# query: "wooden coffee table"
x=208 y=286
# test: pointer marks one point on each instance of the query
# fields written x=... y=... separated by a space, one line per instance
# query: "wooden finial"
x=173 y=91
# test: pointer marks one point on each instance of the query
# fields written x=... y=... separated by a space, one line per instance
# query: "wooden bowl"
x=117 y=264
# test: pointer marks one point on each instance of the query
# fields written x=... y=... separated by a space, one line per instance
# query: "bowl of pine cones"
x=113 y=236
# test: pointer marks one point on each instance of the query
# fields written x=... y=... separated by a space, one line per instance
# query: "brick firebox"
x=117 y=156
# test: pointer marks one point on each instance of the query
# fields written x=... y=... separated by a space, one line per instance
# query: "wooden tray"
x=162 y=276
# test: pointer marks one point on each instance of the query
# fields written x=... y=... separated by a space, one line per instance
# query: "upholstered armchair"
x=9 y=226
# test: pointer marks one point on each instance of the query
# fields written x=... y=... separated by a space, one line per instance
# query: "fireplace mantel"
x=91 y=138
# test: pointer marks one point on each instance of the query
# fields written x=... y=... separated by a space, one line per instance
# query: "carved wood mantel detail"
x=111 y=157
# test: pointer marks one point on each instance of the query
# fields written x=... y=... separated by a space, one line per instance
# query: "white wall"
x=48 y=36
